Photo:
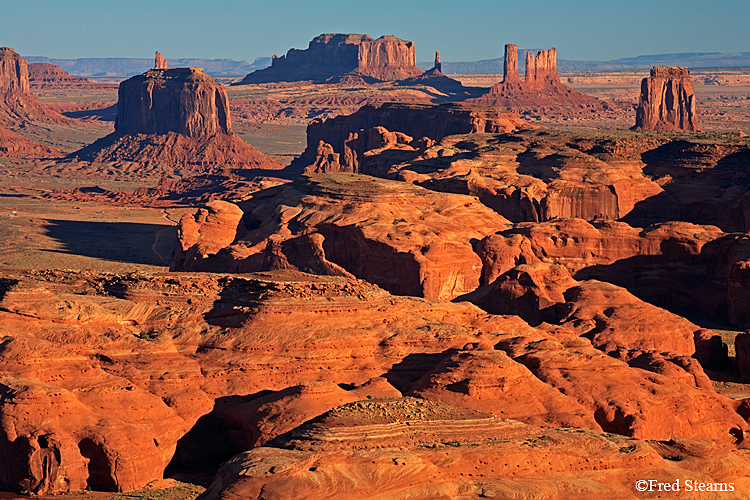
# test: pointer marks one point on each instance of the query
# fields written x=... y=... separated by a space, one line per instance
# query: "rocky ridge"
x=46 y=75
x=339 y=144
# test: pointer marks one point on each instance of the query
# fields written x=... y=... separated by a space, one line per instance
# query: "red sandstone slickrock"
x=246 y=352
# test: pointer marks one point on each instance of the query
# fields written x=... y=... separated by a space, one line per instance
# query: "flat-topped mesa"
x=182 y=100
x=159 y=61
x=333 y=55
x=667 y=101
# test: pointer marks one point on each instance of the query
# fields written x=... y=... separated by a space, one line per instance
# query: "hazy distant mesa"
x=125 y=67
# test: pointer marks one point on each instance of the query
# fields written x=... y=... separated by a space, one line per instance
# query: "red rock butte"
x=174 y=116
x=332 y=56
x=540 y=87
x=16 y=103
x=182 y=100
x=667 y=101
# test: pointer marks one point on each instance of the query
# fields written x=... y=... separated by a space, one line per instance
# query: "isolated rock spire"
x=510 y=66
x=160 y=62
x=667 y=101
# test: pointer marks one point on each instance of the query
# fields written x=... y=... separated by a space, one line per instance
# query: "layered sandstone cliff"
x=16 y=103
x=182 y=100
x=667 y=101
x=345 y=139
x=332 y=56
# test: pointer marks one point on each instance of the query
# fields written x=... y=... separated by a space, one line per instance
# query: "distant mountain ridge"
x=126 y=67
x=121 y=67
x=692 y=60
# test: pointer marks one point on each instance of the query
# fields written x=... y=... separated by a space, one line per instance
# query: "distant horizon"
x=520 y=49
x=241 y=30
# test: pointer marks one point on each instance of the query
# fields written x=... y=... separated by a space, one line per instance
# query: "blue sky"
x=461 y=30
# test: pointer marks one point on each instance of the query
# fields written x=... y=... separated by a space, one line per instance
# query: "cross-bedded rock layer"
x=108 y=379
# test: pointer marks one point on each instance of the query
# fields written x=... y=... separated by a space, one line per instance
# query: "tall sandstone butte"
x=182 y=100
x=541 y=85
x=177 y=116
x=16 y=103
x=333 y=55
x=667 y=101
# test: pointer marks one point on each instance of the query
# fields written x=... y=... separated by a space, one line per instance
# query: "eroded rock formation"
x=349 y=136
x=667 y=101
x=177 y=116
x=13 y=145
x=421 y=247
x=700 y=265
x=159 y=61
x=108 y=390
x=331 y=57
x=16 y=103
x=541 y=86
x=410 y=448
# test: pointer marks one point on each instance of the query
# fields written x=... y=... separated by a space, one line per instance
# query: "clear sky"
x=462 y=30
